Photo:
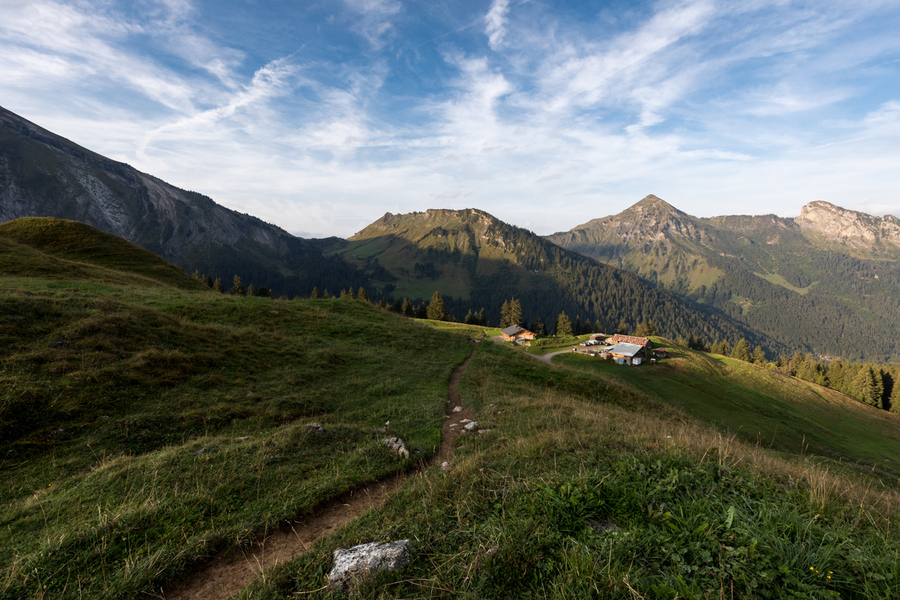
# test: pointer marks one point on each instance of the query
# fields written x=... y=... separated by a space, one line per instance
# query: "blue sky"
x=322 y=116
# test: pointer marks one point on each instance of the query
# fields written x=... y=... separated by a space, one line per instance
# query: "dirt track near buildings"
x=224 y=577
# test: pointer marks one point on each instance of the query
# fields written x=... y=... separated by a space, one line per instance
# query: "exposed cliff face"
x=849 y=227
x=45 y=175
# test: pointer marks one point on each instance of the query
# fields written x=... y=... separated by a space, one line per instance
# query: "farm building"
x=514 y=332
x=630 y=339
x=628 y=354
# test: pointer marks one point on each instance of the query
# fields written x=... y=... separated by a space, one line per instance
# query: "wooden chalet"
x=630 y=339
x=514 y=332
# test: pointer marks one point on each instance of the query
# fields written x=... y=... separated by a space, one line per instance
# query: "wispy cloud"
x=769 y=103
x=495 y=21
x=374 y=19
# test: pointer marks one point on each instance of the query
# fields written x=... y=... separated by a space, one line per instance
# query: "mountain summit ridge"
x=830 y=277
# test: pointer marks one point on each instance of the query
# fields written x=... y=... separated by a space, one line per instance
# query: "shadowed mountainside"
x=45 y=175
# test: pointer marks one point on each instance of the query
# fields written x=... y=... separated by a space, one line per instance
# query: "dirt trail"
x=547 y=357
x=224 y=577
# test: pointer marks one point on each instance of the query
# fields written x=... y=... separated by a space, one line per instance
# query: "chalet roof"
x=626 y=349
x=513 y=330
x=630 y=339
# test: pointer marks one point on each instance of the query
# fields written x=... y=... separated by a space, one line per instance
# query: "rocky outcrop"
x=351 y=565
x=849 y=227
x=396 y=445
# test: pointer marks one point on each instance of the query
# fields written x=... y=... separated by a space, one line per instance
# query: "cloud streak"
x=380 y=105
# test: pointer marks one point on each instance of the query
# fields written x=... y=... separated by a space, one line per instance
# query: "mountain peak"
x=855 y=229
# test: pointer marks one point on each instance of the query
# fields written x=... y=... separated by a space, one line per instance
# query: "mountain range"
x=826 y=281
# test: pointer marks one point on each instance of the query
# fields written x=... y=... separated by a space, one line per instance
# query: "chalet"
x=630 y=339
x=514 y=332
x=628 y=354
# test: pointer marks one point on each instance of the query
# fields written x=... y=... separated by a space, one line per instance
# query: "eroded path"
x=224 y=577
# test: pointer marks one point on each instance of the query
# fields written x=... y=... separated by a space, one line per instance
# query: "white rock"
x=457 y=409
x=357 y=562
x=397 y=445
x=472 y=426
x=445 y=466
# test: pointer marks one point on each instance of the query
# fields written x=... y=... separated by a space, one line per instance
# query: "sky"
x=320 y=117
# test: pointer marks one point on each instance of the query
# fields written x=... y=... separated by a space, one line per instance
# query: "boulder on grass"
x=397 y=445
x=352 y=565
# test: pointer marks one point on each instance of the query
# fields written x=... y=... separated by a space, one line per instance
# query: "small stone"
x=471 y=426
x=445 y=466
x=454 y=424
x=601 y=526
x=352 y=565
x=200 y=451
x=483 y=431
x=317 y=429
x=381 y=430
x=397 y=445
x=457 y=409
x=465 y=421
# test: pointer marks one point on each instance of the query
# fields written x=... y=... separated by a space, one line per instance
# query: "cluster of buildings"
x=624 y=349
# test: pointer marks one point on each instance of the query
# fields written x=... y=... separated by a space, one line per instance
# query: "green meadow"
x=148 y=424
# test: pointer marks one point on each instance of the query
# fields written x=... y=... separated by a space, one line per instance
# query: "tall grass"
x=586 y=489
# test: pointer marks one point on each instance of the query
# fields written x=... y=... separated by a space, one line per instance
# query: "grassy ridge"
x=62 y=249
x=145 y=427
x=588 y=488
x=764 y=406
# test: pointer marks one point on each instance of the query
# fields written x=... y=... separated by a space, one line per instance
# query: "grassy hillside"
x=144 y=428
x=61 y=249
x=763 y=406
x=585 y=487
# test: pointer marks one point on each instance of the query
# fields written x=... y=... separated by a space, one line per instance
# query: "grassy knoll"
x=61 y=249
x=588 y=488
x=766 y=407
x=145 y=427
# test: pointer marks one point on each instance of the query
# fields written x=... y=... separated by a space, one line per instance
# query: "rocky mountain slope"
x=828 y=279
x=45 y=175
